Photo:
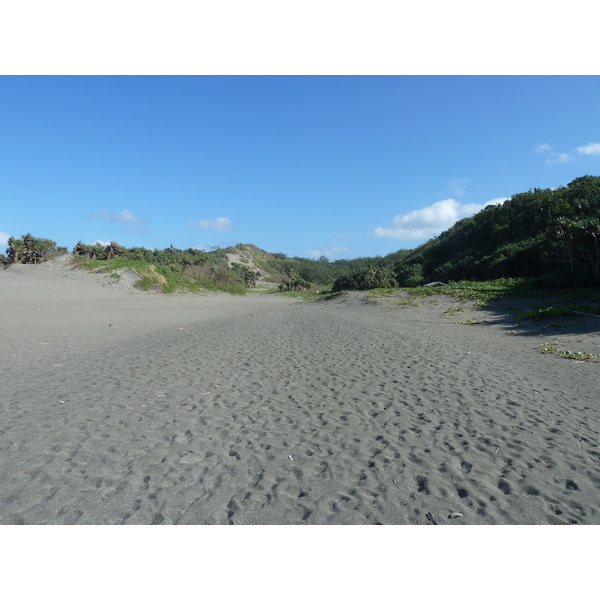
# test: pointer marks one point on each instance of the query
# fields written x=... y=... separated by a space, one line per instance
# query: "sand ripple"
x=276 y=412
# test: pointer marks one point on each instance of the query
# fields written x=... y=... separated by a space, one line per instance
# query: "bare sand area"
x=127 y=407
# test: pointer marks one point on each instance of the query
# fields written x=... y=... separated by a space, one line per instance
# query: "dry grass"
x=157 y=276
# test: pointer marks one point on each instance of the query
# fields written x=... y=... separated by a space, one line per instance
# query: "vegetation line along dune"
x=547 y=238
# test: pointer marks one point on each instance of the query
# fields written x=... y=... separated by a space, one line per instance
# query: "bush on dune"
x=31 y=250
x=367 y=278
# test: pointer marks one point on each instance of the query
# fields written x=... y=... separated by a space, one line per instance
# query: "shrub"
x=367 y=278
x=101 y=252
x=294 y=282
x=250 y=277
x=410 y=275
x=30 y=249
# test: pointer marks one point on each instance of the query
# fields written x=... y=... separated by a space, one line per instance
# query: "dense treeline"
x=323 y=271
x=550 y=234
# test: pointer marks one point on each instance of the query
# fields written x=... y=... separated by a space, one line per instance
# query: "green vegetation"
x=170 y=270
x=30 y=250
x=321 y=272
x=479 y=292
x=169 y=278
x=411 y=303
x=531 y=245
x=553 y=235
x=366 y=278
x=248 y=276
x=548 y=312
x=552 y=348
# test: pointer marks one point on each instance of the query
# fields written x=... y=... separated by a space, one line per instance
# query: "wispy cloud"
x=559 y=157
x=4 y=238
x=592 y=148
x=457 y=186
x=552 y=157
x=125 y=216
x=204 y=247
x=327 y=251
x=426 y=222
x=218 y=224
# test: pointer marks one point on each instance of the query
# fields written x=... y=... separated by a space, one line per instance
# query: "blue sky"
x=341 y=166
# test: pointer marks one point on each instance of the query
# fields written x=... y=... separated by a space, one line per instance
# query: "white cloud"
x=427 y=222
x=4 y=238
x=592 y=148
x=327 y=251
x=204 y=247
x=102 y=242
x=218 y=224
x=125 y=216
x=553 y=157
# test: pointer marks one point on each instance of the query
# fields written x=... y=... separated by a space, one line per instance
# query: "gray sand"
x=119 y=406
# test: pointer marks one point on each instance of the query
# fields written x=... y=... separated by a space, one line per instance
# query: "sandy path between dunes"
x=201 y=410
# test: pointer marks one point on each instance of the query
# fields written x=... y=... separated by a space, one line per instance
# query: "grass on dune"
x=164 y=278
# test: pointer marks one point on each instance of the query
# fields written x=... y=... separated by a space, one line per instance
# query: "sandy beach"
x=126 y=407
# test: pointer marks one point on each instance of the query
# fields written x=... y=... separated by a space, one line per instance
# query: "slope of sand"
x=121 y=407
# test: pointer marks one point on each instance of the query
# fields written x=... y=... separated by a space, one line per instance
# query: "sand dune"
x=122 y=407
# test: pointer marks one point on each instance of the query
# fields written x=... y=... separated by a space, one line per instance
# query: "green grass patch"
x=548 y=312
x=382 y=292
x=479 y=292
x=552 y=348
x=453 y=311
x=407 y=303
x=557 y=302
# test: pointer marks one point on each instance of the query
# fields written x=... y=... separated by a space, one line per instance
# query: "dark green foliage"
x=367 y=278
x=30 y=249
x=531 y=235
x=410 y=275
x=575 y=226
